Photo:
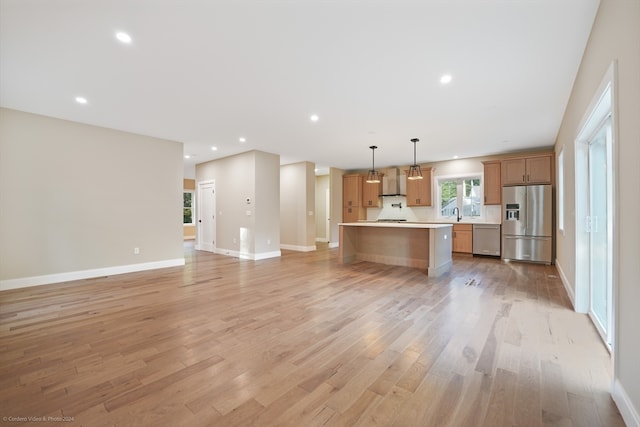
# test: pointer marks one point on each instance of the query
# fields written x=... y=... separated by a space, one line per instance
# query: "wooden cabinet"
x=351 y=190
x=462 y=238
x=352 y=198
x=352 y=214
x=419 y=190
x=371 y=194
x=539 y=170
x=492 y=183
x=528 y=170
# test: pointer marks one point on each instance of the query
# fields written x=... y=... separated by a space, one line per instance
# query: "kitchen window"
x=188 y=205
x=462 y=192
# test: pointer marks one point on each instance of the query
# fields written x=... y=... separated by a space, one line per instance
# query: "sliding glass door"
x=598 y=225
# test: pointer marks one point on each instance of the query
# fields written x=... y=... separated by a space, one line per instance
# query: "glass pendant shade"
x=414 y=170
x=373 y=177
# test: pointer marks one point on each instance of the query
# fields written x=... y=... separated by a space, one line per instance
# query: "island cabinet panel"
x=492 y=183
x=462 y=241
x=417 y=245
x=419 y=190
x=371 y=193
x=528 y=170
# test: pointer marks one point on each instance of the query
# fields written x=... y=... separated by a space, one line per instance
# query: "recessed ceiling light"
x=214 y=148
x=123 y=37
x=81 y=100
x=242 y=139
x=314 y=118
x=445 y=79
x=187 y=156
x=455 y=157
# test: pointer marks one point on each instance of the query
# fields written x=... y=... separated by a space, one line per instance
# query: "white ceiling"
x=209 y=72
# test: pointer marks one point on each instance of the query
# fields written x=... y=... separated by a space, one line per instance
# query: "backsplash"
x=491 y=213
x=392 y=212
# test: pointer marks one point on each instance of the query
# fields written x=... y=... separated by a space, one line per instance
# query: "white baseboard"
x=265 y=255
x=298 y=248
x=322 y=239
x=566 y=284
x=629 y=413
x=334 y=244
x=47 y=279
x=251 y=256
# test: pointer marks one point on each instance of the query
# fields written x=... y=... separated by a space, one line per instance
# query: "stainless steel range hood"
x=393 y=183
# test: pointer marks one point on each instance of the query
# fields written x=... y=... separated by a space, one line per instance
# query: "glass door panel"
x=597 y=225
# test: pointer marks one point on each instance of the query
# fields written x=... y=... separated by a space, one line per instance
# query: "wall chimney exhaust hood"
x=393 y=183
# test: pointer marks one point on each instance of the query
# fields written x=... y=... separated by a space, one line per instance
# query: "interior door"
x=206 y=216
x=328 y=215
x=599 y=229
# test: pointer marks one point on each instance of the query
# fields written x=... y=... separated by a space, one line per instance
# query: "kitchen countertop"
x=436 y=222
x=391 y=224
x=467 y=222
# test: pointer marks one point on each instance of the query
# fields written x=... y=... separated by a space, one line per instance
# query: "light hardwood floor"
x=302 y=341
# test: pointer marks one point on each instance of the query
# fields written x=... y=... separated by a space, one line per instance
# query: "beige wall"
x=267 y=208
x=189 y=230
x=322 y=186
x=297 y=200
x=335 y=189
x=248 y=229
x=615 y=37
x=76 y=198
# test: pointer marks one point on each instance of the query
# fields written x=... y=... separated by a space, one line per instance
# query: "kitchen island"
x=411 y=244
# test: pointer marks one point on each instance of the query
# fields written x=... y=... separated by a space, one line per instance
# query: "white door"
x=598 y=224
x=328 y=215
x=206 y=216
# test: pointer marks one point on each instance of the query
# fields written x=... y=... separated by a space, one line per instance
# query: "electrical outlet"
x=136 y=251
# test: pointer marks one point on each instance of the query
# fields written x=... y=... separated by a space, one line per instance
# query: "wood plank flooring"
x=302 y=340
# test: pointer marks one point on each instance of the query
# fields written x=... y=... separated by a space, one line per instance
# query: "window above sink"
x=463 y=192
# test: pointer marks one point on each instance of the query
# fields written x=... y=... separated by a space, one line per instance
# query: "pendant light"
x=414 y=170
x=373 y=177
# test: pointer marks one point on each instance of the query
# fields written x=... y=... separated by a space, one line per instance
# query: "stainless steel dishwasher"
x=486 y=239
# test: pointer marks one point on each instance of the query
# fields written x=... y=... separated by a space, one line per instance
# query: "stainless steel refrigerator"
x=527 y=232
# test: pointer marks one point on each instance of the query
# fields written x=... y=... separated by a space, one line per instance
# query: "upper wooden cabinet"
x=528 y=170
x=492 y=183
x=419 y=190
x=371 y=193
x=351 y=190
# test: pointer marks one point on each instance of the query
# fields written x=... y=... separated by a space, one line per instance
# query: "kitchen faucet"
x=456 y=211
